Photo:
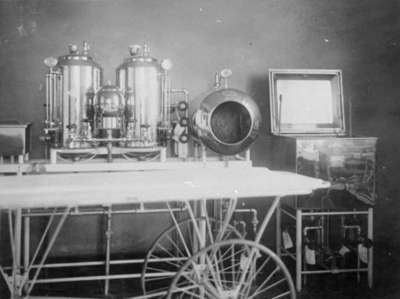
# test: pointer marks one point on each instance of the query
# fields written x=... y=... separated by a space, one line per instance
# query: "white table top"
x=77 y=189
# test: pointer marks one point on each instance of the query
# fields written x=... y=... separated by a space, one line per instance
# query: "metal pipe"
x=26 y=245
x=108 y=251
x=100 y=277
x=61 y=93
x=287 y=213
x=278 y=229
x=267 y=218
x=232 y=203
x=17 y=248
x=254 y=220
x=241 y=226
x=307 y=228
x=258 y=237
x=179 y=230
x=6 y=278
x=51 y=99
x=166 y=99
x=47 y=98
x=53 y=105
x=14 y=258
x=287 y=253
x=47 y=251
x=371 y=249
x=184 y=91
x=11 y=232
x=299 y=220
x=195 y=225
x=102 y=263
x=336 y=271
x=109 y=151
x=325 y=231
x=39 y=246
x=78 y=213
x=52 y=297
x=334 y=213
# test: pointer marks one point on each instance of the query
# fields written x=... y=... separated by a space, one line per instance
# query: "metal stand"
x=87 y=154
x=298 y=215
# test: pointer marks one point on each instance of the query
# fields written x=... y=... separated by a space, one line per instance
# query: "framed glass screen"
x=306 y=102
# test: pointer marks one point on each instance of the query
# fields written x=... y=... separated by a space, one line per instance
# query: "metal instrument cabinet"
x=349 y=161
x=349 y=164
x=310 y=136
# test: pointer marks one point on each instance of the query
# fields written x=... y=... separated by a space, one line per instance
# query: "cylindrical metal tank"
x=109 y=107
x=227 y=121
x=81 y=78
x=141 y=78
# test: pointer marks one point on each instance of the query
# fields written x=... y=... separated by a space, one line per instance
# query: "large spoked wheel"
x=233 y=269
x=175 y=246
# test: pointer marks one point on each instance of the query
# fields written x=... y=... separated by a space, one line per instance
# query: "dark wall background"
x=361 y=37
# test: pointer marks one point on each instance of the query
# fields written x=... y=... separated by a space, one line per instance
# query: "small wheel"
x=174 y=247
x=234 y=269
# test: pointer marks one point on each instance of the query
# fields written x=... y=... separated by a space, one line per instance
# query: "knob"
x=226 y=73
x=134 y=50
x=182 y=106
x=50 y=62
x=166 y=64
x=73 y=49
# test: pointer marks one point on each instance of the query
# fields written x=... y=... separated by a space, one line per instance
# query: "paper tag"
x=287 y=240
x=343 y=250
x=178 y=130
x=243 y=261
x=363 y=253
x=310 y=256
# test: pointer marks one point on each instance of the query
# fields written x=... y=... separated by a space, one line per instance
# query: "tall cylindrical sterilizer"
x=144 y=82
x=71 y=83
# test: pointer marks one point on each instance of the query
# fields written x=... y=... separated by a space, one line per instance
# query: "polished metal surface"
x=228 y=119
x=71 y=86
x=142 y=79
x=109 y=106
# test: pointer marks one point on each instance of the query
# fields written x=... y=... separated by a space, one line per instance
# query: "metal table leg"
x=371 y=250
x=298 y=249
x=278 y=229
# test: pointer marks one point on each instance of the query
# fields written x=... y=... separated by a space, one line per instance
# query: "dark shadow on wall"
x=258 y=88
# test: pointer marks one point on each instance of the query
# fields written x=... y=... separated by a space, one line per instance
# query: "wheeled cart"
x=199 y=257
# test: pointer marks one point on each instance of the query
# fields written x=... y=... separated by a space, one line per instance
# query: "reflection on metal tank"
x=109 y=107
x=228 y=120
x=70 y=88
x=143 y=80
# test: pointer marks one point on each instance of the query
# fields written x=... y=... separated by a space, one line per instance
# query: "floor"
x=339 y=286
